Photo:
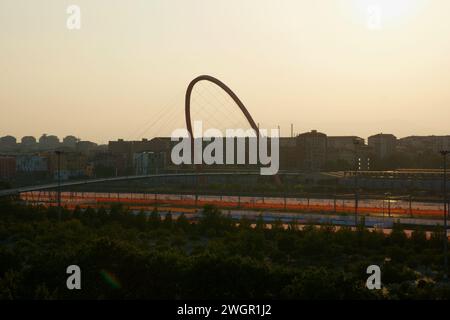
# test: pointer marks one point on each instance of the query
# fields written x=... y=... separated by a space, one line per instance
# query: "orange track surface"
x=71 y=201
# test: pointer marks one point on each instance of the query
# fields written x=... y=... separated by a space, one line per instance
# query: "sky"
x=343 y=67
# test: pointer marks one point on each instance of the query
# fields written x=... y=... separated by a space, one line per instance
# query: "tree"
x=182 y=222
x=260 y=224
x=154 y=220
x=244 y=223
x=214 y=222
x=168 y=221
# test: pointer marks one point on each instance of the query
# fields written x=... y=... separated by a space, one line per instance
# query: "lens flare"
x=110 y=279
x=383 y=13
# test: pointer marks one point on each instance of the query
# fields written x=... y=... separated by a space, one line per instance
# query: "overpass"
x=10 y=192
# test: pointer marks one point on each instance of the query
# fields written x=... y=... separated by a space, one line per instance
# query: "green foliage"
x=213 y=222
x=134 y=255
x=320 y=283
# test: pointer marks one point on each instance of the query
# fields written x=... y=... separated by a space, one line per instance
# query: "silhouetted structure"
x=383 y=145
x=311 y=150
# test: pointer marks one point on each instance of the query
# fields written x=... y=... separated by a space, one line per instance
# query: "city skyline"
x=322 y=69
x=194 y=150
x=80 y=139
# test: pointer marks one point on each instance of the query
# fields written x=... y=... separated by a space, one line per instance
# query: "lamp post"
x=356 y=143
x=389 y=203
x=444 y=154
x=58 y=154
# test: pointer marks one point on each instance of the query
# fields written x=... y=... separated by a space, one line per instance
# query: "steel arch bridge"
x=190 y=87
x=225 y=88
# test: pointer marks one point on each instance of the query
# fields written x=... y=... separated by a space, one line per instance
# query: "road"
x=9 y=192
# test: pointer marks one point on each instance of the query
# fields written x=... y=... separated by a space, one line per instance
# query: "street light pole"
x=444 y=154
x=58 y=154
x=356 y=143
x=387 y=197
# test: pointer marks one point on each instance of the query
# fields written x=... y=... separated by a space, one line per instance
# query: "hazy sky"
x=318 y=64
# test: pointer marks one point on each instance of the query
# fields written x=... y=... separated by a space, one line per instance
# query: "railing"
x=323 y=205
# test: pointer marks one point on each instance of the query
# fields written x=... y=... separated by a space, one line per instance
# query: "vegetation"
x=128 y=256
x=4 y=185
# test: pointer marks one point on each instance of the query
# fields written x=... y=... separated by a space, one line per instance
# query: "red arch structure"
x=233 y=96
x=225 y=88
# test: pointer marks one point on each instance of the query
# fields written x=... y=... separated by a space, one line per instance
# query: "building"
x=72 y=165
x=344 y=142
x=108 y=164
x=383 y=145
x=7 y=167
x=129 y=148
x=28 y=143
x=8 y=143
x=31 y=163
x=70 y=142
x=288 y=153
x=48 y=142
x=311 y=150
x=343 y=151
x=160 y=144
x=89 y=170
x=148 y=162
x=86 y=147
x=422 y=144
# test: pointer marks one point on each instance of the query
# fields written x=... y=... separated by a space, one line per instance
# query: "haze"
x=316 y=64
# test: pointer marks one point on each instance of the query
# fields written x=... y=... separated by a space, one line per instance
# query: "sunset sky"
x=317 y=64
